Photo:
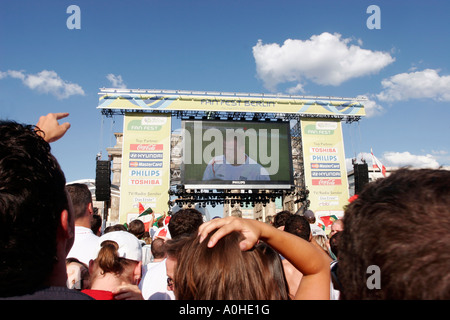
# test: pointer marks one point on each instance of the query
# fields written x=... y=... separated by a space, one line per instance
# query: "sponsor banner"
x=325 y=170
x=144 y=173
x=146 y=147
x=141 y=182
x=326 y=182
x=146 y=156
x=145 y=164
x=325 y=174
x=325 y=165
x=226 y=103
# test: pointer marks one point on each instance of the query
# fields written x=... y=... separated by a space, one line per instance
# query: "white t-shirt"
x=219 y=169
x=154 y=282
x=85 y=245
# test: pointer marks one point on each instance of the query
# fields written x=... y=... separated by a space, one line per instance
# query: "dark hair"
x=223 y=272
x=81 y=197
x=185 y=221
x=137 y=227
x=32 y=197
x=399 y=224
x=334 y=243
x=115 y=227
x=96 y=223
x=299 y=226
x=280 y=218
x=158 y=248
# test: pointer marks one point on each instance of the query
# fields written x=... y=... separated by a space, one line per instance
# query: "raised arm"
x=303 y=255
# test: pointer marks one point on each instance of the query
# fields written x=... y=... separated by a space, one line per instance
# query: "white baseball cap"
x=129 y=245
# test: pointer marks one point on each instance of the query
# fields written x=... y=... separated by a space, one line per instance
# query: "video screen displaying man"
x=234 y=164
x=236 y=154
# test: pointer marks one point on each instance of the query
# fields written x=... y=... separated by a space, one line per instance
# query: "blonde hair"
x=322 y=242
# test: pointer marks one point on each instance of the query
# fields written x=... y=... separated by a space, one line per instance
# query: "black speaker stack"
x=103 y=180
x=361 y=174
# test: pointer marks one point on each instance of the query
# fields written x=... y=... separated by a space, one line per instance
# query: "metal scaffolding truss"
x=226 y=115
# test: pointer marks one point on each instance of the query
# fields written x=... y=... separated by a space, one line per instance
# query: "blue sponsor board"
x=144 y=173
x=146 y=156
x=325 y=174
x=145 y=164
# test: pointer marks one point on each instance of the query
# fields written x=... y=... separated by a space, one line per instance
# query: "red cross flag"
x=378 y=164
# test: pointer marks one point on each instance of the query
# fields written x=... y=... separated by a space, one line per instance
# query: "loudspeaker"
x=103 y=180
x=361 y=173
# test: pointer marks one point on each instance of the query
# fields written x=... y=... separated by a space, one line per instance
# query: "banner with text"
x=325 y=170
x=222 y=103
x=145 y=175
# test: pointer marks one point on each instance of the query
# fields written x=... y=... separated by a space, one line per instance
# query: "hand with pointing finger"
x=49 y=128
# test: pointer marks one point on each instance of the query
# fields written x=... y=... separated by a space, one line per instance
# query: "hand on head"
x=249 y=229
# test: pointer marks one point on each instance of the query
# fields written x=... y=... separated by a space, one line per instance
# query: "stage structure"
x=237 y=148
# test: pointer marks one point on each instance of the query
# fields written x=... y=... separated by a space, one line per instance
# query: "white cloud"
x=396 y=159
x=116 y=81
x=416 y=85
x=324 y=59
x=294 y=90
x=46 y=81
x=439 y=152
x=401 y=159
x=372 y=108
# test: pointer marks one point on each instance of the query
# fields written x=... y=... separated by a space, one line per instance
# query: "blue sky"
x=210 y=45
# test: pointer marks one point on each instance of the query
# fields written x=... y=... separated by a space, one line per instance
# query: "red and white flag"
x=378 y=164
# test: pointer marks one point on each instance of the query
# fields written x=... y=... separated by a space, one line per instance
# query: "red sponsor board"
x=326 y=182
x=146 y=147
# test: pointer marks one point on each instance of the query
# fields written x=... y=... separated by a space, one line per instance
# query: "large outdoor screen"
x=236 y=155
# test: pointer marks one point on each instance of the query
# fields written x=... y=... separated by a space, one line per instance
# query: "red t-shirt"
x=99 y=294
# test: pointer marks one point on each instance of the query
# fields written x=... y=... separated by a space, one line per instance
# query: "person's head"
x=36 y=218
x=337 y=226
x=137 y=228
x=185 y=221
x=81 y=200
x=158 y=249
x=334 y=243
x=321 y=240
x=77 y=274
x=234 y=149
x=310 y=216
x=173 y=248
x=115 y=227
x=280 y=219
x=223 y=272
x=120 y=255
x=299 y=226
x=399 y=224
x=96 y=224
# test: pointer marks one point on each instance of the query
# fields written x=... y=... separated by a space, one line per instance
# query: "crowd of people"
x=52 y=245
